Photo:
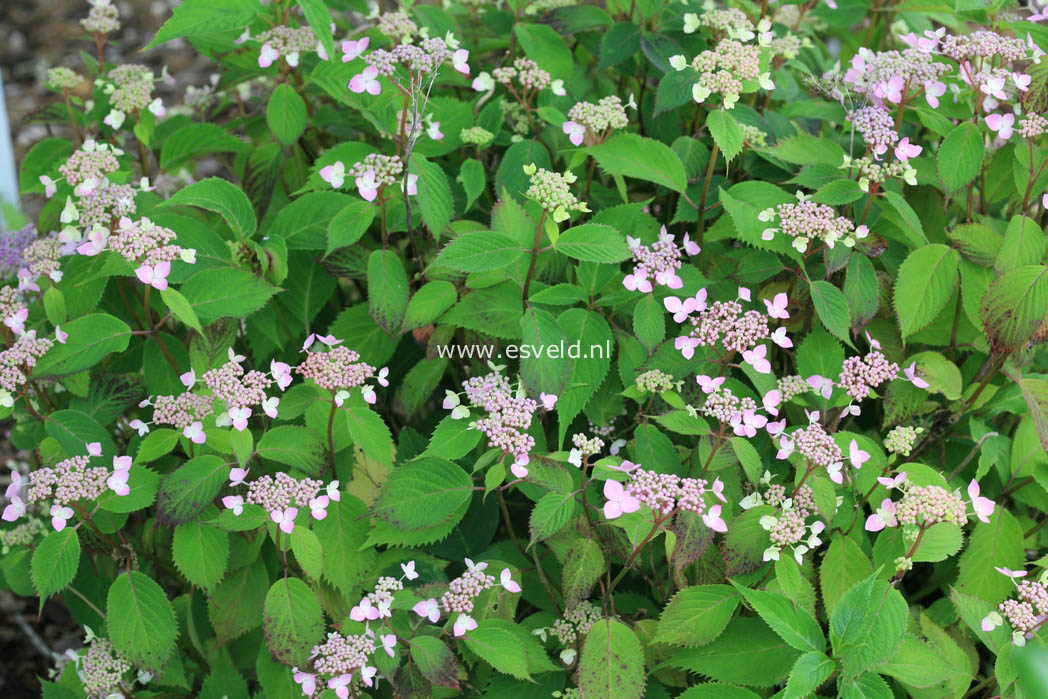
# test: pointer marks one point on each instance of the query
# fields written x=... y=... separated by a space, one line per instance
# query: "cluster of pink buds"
x=282 y=496
x=896 y=77
x=130 y=90
x=102 y=669
x=1027 y=613
x=185 y=411
x=726 y=323
x=147 y=246
x=723 y=405
x=398 y=26
x=659 y=261
x=925 y=506
x=284 y=41
x=665 y=494
x=85 y=169
x=18 y=360
x=371 y=176
x=509 y=414
x=376 y=605
x=806 y=221
x=859 y=375
x=338 y=370
x=816 y=446
x=571 y=627
x=416 y=62
x=338 y=658
x=461 y=593
x=230 y=384
x=103 y=18
x=42 y=260
x=70 y=481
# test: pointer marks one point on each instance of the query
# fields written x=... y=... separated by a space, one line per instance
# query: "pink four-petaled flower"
x=619 y=502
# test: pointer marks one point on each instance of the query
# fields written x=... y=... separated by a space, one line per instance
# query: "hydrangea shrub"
x=538 y=349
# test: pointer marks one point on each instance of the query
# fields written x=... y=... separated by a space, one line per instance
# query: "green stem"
x=331 y=431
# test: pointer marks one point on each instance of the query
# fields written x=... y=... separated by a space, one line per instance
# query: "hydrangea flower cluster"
x=816 y=446
x=476 y=136
x=597 y=120
x=659 y=261
x=665 y=494
x=724 y=70
x=889 y=76
x=69 y=481
x=419 y=63
x=282 y=496
x=185 y=411
x=877 y=126
x=859 y=375
x=752 y=136
x=902 y=439
x=872 y=173
x=339 y=657
x=289 y=42
x=576 y=622
x=583 y=447
x=338 y=370
x=789 y=527
x=725 y=407
x=728 y=21
x=24 y=534
x=461 y=593
x=572 y=627
x=102 y=669
x=926 y=506
x=61 y=79
x=103 y=18
x=807 y=220
x=397 y=26
x=728 y=324
x=655 y=381
x=791 y=386
x=18 y=360
x=525 y=74
x=371 y=176
x=130 y=90
x=552 y=191
x=1032 y=126
x=105 y=203
x=11 y=247
x=1027 y=613
x=240 y=390
x=508 y=416
x=981 y=45
x=41 y=258
x=377 y=604
x=86 y=168
x=147 y=246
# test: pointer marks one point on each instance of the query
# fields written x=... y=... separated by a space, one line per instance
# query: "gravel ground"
x=36 y=35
